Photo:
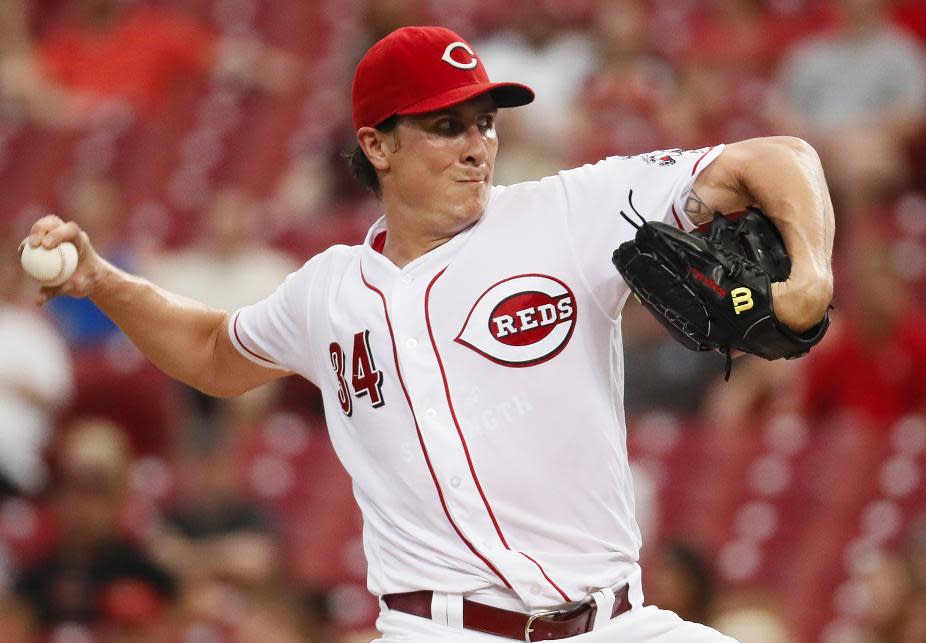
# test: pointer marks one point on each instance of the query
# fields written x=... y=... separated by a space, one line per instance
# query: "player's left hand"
x=731 y=289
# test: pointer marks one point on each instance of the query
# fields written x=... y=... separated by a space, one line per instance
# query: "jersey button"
x=407 y=279
x=411 y=342
x=455 y=482
x=430 y=414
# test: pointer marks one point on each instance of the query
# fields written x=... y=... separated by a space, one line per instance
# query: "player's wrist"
x=104 y=281
x=815 y=286
x=801 y=305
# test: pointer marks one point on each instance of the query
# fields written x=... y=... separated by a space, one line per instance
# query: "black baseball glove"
x=713 y=291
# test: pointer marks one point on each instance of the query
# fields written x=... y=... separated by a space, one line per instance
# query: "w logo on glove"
x=742 y=299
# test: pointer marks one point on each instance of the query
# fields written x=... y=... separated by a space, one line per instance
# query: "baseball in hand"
x=51 y=267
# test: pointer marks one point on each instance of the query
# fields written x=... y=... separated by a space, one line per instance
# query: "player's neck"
x=410 y=234
x=401 y=248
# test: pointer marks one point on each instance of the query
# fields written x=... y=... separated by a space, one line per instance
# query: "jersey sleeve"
x=654 y=185
x=274 y=332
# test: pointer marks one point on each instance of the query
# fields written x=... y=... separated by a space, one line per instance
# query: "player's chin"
x=473 y=194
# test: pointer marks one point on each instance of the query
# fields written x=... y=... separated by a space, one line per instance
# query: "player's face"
x=443 y=163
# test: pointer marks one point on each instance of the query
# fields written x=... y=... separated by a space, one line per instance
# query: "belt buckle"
x=533 y=616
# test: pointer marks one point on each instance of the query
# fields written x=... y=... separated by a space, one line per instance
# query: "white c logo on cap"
x=459 y=45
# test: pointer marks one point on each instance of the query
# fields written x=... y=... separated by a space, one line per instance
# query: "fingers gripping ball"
x=51 y=267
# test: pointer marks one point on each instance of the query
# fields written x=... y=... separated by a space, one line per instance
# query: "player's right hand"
x=49 y=231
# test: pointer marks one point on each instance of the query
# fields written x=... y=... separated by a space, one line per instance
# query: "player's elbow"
x=792 y=148
x=760 y=159
x=218 y=389
x=799 y=147
x=774 y=146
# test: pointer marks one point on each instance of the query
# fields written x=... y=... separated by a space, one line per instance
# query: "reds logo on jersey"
x=521 y=321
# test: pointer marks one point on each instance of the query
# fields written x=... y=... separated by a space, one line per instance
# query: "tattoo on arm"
x=696 y=209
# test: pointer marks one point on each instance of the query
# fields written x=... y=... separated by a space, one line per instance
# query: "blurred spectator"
x=914 y=626
x=873 y=368
x=917 y=553
x=631 y=101
x=865 y=72
x=222 y=547
x=543 y=51
x=681 y=580
x=859 y=94
x=213 y=534
x=752 y=618
x=23 y=86
x=911 y=15
x=890 y=597
x=138 y=53
x=381 y=17
x=14 y=619
x=666 y=375
x=98 y=204
x=36 y=380
x=278 y=618
x=735 y=33
x=756 y=387
x=230 y=265
x=94 y=576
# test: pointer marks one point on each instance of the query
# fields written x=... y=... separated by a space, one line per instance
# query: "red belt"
x=545 y=625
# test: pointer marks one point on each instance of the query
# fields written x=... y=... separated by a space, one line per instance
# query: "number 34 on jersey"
x=364 y=378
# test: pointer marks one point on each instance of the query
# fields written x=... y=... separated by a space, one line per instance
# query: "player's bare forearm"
x=783 y=176
x=182 y=337
x=177 y=334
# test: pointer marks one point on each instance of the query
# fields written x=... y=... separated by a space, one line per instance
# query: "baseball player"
x=469 y=350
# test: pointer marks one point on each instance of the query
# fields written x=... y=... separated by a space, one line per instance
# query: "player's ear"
x=373 y=143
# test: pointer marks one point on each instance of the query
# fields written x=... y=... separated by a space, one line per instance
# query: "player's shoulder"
x=334 y=259
x=502 y=195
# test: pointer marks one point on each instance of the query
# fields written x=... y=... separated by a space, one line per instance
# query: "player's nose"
x=475 y=146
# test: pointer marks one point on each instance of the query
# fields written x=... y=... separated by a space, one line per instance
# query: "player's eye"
x=447 y=126
x=486 y=123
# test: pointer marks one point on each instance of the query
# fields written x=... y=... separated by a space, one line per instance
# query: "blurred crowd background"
x=201 y=144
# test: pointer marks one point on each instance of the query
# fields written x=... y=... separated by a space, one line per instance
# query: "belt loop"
x=439 y=607
x=604 y=599
x=447 y=609
x=635 y=584
x=455 y=611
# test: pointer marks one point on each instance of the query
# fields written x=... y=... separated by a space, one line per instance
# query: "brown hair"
x=360 y=166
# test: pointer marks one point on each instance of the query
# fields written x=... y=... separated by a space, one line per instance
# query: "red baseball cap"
x=415 y=70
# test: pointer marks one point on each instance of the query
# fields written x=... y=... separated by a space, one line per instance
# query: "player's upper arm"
x=231 y=373
x=280 y=334
x=722 y=185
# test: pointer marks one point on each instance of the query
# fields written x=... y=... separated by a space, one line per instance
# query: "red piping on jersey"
x=678 y=221
x=549 y=580
x=424 y=449
x=241 y=344
x=456 y=423
x=695 y=168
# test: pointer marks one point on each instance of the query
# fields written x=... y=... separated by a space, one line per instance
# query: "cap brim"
x=504 y=95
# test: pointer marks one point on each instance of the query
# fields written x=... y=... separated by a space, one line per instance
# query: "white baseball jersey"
x=475 y=395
